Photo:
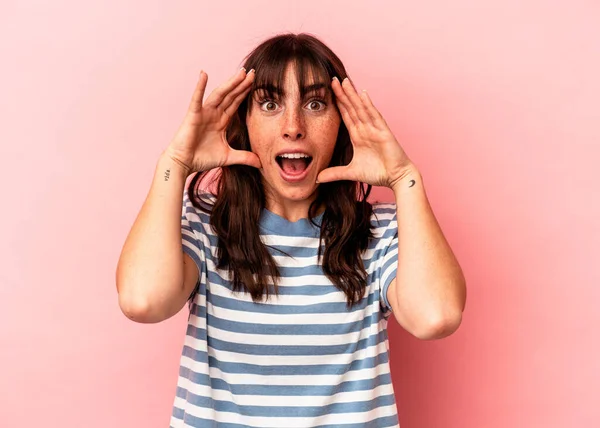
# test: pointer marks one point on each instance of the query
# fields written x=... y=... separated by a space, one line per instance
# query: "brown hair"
x=240 y=196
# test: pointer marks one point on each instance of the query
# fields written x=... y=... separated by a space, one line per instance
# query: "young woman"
x=289 y=273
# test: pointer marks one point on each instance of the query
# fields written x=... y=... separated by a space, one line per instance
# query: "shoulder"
x=383 y=220
x=202 y=197
x=192 y=211
x=383 y=207
x=383 y=213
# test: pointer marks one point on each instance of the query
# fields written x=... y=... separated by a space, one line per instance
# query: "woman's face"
x=293 y=137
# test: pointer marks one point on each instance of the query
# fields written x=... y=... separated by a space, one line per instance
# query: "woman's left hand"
x=378 y=158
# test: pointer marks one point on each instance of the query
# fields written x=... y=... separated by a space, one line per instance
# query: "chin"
x=298 y=194
x=295 y=193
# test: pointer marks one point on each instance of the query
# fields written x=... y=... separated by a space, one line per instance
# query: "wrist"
x=169 y=162
x=410 y=178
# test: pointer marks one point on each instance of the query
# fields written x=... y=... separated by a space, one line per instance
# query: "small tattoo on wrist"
x=411 y=183
x=167 y=174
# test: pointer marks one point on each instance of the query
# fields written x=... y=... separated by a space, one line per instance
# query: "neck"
x=291 y=210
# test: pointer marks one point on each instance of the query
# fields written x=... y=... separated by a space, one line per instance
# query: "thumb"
x=242 y=157
x=335 y=173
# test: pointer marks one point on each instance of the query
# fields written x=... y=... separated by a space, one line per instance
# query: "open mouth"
x=293 y=163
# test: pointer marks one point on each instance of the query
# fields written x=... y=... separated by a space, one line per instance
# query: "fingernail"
x=335 y=78
x=243 y=69
x=251 y=71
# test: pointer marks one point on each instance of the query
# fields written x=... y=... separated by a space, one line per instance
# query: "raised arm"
x=154 y=277
x=429 y=292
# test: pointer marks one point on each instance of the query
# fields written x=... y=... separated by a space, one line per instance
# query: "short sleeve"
x=388 y=263
x=192 y=237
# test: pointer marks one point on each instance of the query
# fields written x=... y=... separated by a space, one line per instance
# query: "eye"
x=267 y=104
x=316 y=105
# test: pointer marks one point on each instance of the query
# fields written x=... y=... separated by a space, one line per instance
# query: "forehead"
x=291 y=78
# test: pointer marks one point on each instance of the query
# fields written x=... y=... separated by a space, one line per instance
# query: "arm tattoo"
x=412 y=183
x=167 y=174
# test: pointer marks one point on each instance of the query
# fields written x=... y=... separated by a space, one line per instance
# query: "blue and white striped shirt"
x=298 y=359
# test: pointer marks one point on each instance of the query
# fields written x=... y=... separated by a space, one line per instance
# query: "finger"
x=242 y=157
x=343 y=100
x=336 y=173
x=217 y=96
x=348 y=119
x=370 y=108
x=355 y=100
x=232 y=101
x=230 y=111
x=346 y=116
x=198 y=96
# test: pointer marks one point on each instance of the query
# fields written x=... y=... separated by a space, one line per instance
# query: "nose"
x=293 y=125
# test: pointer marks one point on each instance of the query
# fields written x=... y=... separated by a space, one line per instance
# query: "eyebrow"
x=305 y=90
x=313 y=88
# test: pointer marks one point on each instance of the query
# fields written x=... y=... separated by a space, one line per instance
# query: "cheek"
x=331 y=123
x=254 y=135
x=329 y=131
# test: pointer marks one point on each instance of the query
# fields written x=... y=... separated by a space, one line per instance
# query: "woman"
x=290 y=274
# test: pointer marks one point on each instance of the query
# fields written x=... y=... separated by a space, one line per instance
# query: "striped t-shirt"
x=298 y=359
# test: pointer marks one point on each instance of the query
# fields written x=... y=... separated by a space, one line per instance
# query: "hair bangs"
x=313 y=72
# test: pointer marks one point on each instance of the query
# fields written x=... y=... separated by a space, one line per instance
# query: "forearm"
x=430 y=286
x=150 y=268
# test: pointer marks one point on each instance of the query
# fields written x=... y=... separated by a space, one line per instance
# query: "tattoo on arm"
x=167 y=174
x=412 y=183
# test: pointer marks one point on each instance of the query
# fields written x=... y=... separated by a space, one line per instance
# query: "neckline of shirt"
x=282 y=226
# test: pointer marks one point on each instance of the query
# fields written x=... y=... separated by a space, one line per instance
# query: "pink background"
x=497 y=102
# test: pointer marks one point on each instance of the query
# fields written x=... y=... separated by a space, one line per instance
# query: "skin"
x=293 y=123
x=428 y=294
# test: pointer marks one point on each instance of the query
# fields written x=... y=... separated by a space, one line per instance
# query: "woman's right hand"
x=200 y=144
